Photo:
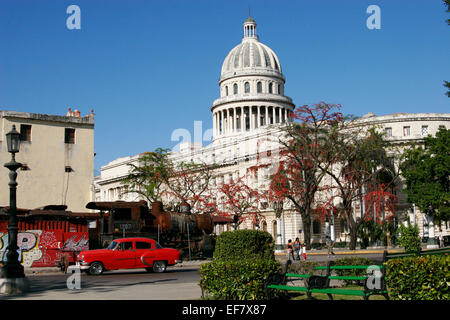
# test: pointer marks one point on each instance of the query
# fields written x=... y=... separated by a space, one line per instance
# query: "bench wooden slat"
x=349 y=292
x=347 y=278
x=296 y=275
x=345 y=267
x=288 y=288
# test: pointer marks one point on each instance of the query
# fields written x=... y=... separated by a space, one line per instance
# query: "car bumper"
x=82 y=266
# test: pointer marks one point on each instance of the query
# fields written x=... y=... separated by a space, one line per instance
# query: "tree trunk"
x=306 y=221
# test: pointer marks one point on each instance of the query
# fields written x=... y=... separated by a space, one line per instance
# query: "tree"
x=147 y=176
x=359 y=158
x=191 y=182
x=157 y=178
x=240 y=199
x=304 y=158
x=426 y=170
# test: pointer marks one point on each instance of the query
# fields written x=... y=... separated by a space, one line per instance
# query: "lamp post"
x=12 y=276
x=278 y=208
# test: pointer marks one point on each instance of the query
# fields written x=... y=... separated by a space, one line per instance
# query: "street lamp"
x=12 y=276
x=278 y=208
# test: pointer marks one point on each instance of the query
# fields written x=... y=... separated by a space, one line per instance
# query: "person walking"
x=297 y=247
x=441 y=239
x=290 y=250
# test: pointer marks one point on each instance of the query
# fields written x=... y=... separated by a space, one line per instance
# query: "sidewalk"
x=346 y=251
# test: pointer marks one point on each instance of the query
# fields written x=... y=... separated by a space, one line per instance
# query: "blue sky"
x=150 y=67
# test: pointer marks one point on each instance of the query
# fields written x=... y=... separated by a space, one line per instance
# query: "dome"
x=250 y=56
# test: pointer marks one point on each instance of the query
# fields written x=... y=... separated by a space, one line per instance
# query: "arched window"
x=247 y=87
x=271 y=87
x=235 y=88
x=259 y=87
x=226 y=90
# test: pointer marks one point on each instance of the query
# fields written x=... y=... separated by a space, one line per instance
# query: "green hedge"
x=237 y=280
x=244 y=244
x=419 y=278
x=242 y=261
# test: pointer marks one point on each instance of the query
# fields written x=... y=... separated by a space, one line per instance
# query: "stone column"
x=266 y=114
x=273 y=115
x=250 y=113
x=279 y=115
x=258 y=117
x=242 y=119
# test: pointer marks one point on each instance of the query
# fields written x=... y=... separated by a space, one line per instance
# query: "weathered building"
x=57 y=156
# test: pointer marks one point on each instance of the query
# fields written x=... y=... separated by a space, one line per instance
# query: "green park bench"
x=321 y=284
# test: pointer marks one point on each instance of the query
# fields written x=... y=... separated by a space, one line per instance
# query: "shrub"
x=242 y=261
x=410 y=239
x=244 y=244
x=419 y=278
x=237 y=280
x=353 y=261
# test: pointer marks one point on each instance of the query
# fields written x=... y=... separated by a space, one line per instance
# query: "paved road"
x=177 y=283
x=174 y=284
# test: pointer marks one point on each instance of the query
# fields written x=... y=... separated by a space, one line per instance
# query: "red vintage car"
x=128 y=253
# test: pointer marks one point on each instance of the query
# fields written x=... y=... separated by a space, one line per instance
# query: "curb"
x=348 y=252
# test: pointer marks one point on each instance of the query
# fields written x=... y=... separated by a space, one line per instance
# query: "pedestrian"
x=330 y=244
x=297 y=247
x=290 y=250
x=304 y=251
x=441 y=239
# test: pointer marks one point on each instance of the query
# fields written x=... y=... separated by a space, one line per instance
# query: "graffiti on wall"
x=38 y=248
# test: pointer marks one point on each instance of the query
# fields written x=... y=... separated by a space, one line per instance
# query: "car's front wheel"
x=96 y=268
x=159 y=266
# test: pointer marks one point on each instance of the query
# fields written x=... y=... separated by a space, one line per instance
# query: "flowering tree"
x=304 y=159
x=359 y=158
x=157 y=178
x=191 y=182
x=147 y=176
x=240 y=199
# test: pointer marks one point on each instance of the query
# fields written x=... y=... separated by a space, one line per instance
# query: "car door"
x=124 y=255
x=144 y=254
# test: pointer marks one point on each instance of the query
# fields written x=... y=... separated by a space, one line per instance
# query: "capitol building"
x=247 y=120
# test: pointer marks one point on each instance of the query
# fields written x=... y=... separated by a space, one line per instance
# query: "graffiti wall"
x=41 y=248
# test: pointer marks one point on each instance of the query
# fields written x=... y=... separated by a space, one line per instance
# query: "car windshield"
x=112 y=245
x=157 y=245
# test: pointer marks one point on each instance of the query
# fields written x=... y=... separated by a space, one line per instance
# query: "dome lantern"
x=250 y=28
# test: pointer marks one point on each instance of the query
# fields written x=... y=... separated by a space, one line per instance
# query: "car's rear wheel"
x=159 y=266
x=96 y=268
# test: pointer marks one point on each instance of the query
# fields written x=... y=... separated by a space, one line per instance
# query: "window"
x=270 y=87
x=259 y=87
x=235 y=88
x=279 y=89
x=143 y=245
x=126 y=245
x=406 y=131
x=69 y=135
x=316 y=227
x=424 y=130
x=247 y=87
x=226 y=90
x=25 y=132
x=388 y=132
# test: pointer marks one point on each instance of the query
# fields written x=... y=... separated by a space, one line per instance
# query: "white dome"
x=250 y=57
